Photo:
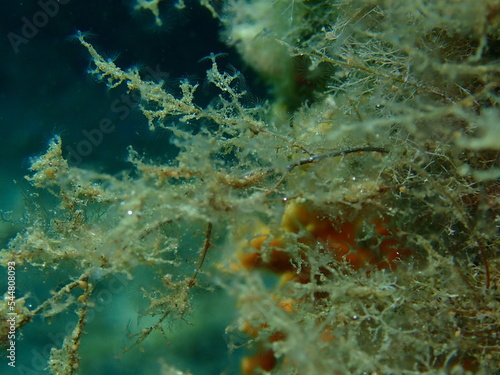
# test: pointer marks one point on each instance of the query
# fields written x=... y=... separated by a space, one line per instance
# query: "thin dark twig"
x=332 y=154
x=318 y=157
x=207 y=244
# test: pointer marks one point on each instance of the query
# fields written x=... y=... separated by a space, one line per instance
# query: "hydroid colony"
x=355 y=214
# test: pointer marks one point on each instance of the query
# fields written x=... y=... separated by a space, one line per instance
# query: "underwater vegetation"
x=352 y=216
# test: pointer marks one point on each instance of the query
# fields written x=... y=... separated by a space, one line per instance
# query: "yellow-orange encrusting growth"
x=315 y=229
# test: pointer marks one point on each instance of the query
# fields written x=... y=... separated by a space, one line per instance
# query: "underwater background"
x=382 y=259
